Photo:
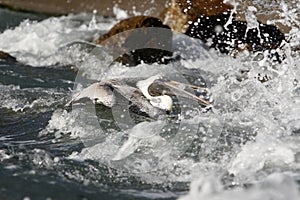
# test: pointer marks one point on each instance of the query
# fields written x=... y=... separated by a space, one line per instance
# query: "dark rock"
x=6 y=57
x=206 y=27
x=208 y=20
x=235 y=36
x=141 y=39
x=265 y=37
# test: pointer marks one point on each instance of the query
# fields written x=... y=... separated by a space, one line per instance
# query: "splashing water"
x=246 y=146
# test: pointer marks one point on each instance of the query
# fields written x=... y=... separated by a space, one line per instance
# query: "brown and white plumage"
x=151 y=95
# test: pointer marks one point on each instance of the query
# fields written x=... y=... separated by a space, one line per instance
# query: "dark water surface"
x=10 y=19
x=34 y=166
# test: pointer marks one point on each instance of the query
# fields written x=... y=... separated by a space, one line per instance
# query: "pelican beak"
x=174 y=88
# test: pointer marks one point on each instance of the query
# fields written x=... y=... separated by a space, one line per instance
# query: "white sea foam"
x=267 y=114
x=38 y=43
x=276 y=186
x=20 y=100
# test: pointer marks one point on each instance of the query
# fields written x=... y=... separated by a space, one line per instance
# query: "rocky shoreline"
x=103 y=7
x=265 y=12
x=217 y=23
x=214 y=22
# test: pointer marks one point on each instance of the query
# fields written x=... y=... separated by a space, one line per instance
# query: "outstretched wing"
x=98 y=93
x=103 y=93
x=135 y=96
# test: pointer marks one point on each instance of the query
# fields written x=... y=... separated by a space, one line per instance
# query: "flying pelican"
x=152 y=96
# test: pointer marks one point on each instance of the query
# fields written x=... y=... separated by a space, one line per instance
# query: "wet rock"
x=236 y=36
x=180 y=13
x=214 y=22
x=6 y=57
x=139 y=39
x=103 y=7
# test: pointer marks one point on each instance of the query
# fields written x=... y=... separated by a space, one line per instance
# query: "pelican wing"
x=135 y=96
x=98 y=93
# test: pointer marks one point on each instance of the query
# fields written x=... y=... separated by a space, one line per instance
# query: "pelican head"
x=163 y=102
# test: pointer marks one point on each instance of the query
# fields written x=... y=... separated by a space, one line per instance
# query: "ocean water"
x=246 y=146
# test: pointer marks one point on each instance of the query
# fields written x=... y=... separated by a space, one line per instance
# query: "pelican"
x=152 y=96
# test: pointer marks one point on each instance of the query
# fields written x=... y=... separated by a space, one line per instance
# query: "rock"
x=267 y=11
x=103 y=7
x=235 y=36
x=207 y=27
x=139 y=39
x=6 y=57
x=214 y=22
x=151 y=7
x=180 y=12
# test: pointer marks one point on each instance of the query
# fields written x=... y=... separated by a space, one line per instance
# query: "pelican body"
x=152 y=96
